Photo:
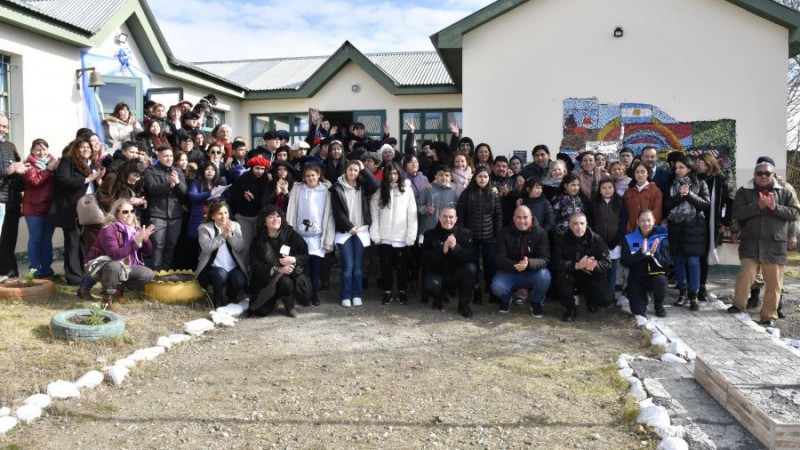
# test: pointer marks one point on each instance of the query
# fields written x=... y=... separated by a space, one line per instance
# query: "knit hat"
x=386 y=148
x=371 y=155
x=765 y=159
x=258 y=161
x=301 y=144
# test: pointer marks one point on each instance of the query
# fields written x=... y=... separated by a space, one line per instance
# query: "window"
x=165 y=96
x=209 y=122
x=5 y=85
x=373 y=122
x=295 y=123
x=429 y=125
x=121 y=89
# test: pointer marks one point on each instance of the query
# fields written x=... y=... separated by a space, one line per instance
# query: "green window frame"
x=209 y=124
x=373 y=120
x=122 y=89
x=296 y=123
x=429 y=124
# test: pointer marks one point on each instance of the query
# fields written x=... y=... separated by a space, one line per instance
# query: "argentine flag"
x=636 y=113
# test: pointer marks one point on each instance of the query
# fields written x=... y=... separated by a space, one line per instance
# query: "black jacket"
x=163 y=201
x=70 y=187
x=689 y=238
x=368 y=185
x=248 y=182
x=480 y=211
x=261 y=268
x=435 y=260
x=7 y=191
x=608 y=223
x=570 y=249
x=512 y=244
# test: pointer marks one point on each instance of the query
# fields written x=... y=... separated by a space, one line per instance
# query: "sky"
x=220 y=30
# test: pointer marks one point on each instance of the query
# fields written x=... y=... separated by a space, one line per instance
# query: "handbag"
x=89 y=211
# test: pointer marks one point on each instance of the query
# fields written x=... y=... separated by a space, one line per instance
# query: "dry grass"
x=31 y=357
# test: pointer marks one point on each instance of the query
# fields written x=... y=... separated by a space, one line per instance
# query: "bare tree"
x=793 y=113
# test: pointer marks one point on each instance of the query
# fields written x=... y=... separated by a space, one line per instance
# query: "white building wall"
x=693 y=59
x=337 y=95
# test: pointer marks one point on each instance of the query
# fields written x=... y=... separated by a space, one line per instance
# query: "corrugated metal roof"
x=88 y=15
x=404 y=68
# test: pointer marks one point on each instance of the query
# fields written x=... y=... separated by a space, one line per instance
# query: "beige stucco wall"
x=694 y=59
x=337 y=95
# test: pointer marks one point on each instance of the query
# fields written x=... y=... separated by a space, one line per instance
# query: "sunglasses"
x=125 y=212
x=763 y=174
x=214 y=153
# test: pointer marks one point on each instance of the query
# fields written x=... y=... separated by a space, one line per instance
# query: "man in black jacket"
x=581 y=260
x=447 y=259
x=165 y=190
x=522 y=252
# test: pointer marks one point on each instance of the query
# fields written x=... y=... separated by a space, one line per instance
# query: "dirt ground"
x=369 y=377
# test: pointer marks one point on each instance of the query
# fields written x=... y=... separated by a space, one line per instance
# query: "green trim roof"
x=448 y=42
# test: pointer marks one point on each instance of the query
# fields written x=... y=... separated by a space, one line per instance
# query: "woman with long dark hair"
x=221 y=263
x=480 y=211
x=719 y=214
x=153 y=137
x=394 y=229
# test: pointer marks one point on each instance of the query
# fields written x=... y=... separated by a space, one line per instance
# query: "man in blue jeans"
x=522 y=252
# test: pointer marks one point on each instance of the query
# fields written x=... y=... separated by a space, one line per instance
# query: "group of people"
x=445 y=219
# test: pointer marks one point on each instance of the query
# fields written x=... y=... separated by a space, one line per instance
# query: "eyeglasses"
x=125 y=212
x=214 y=153
x=763 y=174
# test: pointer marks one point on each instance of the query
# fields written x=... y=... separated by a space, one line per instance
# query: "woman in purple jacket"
x=123 y=242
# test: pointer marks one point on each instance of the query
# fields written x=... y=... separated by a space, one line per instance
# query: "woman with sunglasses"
x=124 y=243
x=221 y=262
x=216 y=156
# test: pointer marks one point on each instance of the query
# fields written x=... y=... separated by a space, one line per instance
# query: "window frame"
x=294 y=135
x=138 y=107
x=420 y=132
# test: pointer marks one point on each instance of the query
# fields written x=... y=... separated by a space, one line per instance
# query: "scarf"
x=129 y=233
x=42 y=163
x=684 y=212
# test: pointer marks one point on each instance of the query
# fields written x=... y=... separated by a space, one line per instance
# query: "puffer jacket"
x=40 y=188
x=643 y=265
x=689 y=238
x=8 y=154
x=164 y=201
x=397 y=222
x=764 y=232
x=480 y=211
x=512 y=244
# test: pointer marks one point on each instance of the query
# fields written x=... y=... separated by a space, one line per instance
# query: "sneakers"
x=386 y=298
x=769 y=323
x=734 y=310
x=536 y=310
x=347 y=303
x=357 y=301
x=505 y=308
x=402 y=298
x=681 y=298
x=519 y=300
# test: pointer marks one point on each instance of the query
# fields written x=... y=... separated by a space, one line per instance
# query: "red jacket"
x=40 y=186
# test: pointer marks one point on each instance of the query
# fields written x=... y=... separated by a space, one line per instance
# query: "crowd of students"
x=269 y=222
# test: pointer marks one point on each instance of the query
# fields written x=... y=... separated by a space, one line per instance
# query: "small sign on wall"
x=521 y=154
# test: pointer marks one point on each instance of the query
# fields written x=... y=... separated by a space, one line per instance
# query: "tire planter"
x=64 y=329
x=174 y=287
x=15 y=289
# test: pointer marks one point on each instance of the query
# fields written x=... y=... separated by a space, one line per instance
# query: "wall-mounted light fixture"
x=95 y=79
x=121 y=39
x=618 y=32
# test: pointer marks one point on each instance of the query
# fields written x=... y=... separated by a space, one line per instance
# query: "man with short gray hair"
x=763 y=208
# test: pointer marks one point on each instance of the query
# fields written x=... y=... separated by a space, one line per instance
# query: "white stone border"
x=33 y=406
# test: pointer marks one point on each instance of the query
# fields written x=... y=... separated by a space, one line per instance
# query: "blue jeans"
x=40 y=245
x=537 y=282
x=611 y=275
x=687 y=265
x=352 y=253
x=219 y=279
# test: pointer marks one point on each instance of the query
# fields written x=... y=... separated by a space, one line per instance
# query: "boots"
x=108 y=301
x=570 y=315
x=86 y=293
x=681 y=298
x=477 y=296
x=753 y=301
x=465 y=310
x=288 y=305
x=781 y=315
x=119 y=297
x=702 y=294
x=659 y=308
x=693 y=301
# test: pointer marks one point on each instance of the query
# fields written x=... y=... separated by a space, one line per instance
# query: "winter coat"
x=564 y=206
x=635 y=201
x=8 y=155
x=642 y=266
x=248 y=182
x=569 y=249
x=40 y=188
x=120 y=131
x=512 y=244
x=689 y=238
x=480 y=211
x=542 y=210
x=198 y=198
x=261 y=269
x=439 y=196
x=764 y=232
x=164 y=201
x=607 y=223
x=70 y=187
x=211 y=240
x=397 y=221
x=435 y=260
x=367 y=185
x=328 y=227
x=111 y=242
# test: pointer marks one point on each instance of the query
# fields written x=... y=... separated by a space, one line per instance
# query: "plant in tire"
x=76 y=324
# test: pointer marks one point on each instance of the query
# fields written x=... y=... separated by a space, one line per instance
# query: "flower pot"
x=63 y=328
x=174 y=287
x=14 y=289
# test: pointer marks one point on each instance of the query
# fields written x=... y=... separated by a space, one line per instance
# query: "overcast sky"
x=214 y=30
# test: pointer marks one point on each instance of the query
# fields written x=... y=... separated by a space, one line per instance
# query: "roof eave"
x=282 y=94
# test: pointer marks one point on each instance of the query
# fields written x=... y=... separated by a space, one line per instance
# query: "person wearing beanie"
x=388 y=154
x=246 y=198
x=687 y=207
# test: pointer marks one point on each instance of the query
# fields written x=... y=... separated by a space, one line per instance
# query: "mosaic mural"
x=608 y=127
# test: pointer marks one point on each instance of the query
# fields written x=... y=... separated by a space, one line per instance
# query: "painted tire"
x=64 y=329
x=174 y=292
x=42 y=290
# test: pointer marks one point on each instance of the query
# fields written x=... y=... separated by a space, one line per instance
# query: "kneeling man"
x=581 y=260
x=522 y=252
x=447 y=258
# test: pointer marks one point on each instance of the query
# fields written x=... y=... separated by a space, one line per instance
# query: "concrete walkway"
x=762 y=367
